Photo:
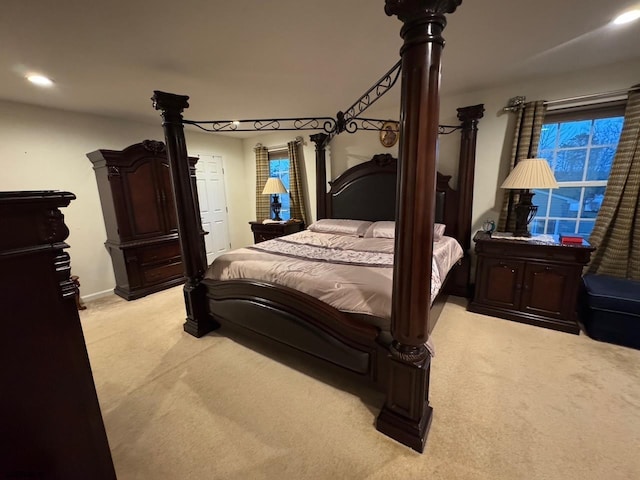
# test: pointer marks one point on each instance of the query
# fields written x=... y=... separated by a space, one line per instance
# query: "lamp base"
x=525 y=212
x=521 y=233
x=275 y=207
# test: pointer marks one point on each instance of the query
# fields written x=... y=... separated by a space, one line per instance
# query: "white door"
x=213 y=205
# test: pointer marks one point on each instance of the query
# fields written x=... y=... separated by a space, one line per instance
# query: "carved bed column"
x=459 y=283
x=406 y=415
x=194 y=258
x=321 y=140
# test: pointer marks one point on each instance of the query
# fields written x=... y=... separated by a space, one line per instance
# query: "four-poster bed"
x=407 y=191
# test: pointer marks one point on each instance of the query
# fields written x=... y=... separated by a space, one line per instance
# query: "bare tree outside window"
x=580 y=152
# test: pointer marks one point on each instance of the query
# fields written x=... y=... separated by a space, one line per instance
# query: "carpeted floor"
x=510 y=401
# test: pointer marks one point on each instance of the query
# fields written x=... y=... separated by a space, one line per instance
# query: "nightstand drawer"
x=268 y=231
x=263 y=236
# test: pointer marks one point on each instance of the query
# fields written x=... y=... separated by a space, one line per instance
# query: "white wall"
x=45 y=149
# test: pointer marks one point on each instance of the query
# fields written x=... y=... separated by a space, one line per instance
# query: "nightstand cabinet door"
x=501 y=282
x=531 y=282
x=547 y=288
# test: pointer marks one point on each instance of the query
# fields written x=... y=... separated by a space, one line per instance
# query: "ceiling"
x=246 y=59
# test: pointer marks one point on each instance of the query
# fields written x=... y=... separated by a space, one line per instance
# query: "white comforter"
x=352 y=274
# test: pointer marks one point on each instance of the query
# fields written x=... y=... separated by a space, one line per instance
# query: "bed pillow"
x=382 y=229
x=356 y=228
x=387 y=229
x=438 y=231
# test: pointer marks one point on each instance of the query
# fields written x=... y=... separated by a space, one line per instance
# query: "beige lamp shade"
x=273 y=185
x=530 y=173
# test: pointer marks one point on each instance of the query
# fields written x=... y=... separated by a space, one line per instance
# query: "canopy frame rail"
x=382 y=86
x=349 y=121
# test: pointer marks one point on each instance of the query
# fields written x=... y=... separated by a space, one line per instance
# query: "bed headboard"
x=367 y=191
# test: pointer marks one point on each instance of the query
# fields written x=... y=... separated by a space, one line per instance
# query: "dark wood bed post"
x=406 y=415
x=460 y=282
x=321 y=140
x=194 y=258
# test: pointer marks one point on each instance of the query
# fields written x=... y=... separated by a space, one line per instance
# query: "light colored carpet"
x=510 y=401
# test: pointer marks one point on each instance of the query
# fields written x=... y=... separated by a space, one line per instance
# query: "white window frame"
x=285 y=213
x=589 y=112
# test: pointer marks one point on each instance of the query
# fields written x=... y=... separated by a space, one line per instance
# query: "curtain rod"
x=593 y=96
x=516 y=103
x=298 y=139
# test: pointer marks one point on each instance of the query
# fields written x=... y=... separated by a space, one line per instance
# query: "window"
x=279 y=167
x=580 y=147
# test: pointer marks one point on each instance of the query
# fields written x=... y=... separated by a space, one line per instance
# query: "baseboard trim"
x=95 y=296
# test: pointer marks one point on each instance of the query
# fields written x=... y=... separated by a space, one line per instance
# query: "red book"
x=570 y=240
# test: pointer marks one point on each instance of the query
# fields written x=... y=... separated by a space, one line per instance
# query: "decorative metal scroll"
x=355 y=124
x=381 y=87
x=327 y=124
x=377 y=125
x=349 y=122
x=448 y=129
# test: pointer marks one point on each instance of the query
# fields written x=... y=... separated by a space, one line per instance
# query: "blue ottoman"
x=610 y=309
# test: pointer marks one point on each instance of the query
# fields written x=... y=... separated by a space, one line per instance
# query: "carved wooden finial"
x=423 y=20
x=169 y=102
x=154 y=146
x=383 y=159
x=407 y=10
x=320 y=139
x=471 y=114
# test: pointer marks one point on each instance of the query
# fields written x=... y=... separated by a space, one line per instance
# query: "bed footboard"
x=297 y=320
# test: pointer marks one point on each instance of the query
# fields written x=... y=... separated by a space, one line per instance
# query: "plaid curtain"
x=616 y=234
x=296 y=190
x=263 y=204
x=525 y=145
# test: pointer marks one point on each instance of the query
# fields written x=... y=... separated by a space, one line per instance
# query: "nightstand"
x=267 y=231
x=528 y=281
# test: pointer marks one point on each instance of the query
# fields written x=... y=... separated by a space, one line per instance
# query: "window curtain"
x=263 y=204
x=296 y=190
x=616 y=234
x=525 y=145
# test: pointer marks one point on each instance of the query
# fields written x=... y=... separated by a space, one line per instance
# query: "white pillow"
x=386 y=229
x=355 y=228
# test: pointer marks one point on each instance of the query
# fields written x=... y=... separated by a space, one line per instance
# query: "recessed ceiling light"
x=40 y=80
x=627 y=17
x=236 y=123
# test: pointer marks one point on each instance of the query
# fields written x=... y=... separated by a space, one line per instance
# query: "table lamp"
x=528 y=173
x=273 y=187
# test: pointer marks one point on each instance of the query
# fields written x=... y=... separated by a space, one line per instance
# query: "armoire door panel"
x=145 y=201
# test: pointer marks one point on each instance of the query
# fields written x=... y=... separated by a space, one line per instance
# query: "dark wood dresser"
x=50 y=420
x=529 y=282
x=140 y=217
x=267 y=231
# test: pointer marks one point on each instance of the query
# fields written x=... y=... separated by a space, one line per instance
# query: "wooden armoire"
x=140 y=217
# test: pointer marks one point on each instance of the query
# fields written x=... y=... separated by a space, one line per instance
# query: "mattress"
x=352 y=274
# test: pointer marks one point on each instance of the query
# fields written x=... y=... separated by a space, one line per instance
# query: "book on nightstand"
x=570 y=240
